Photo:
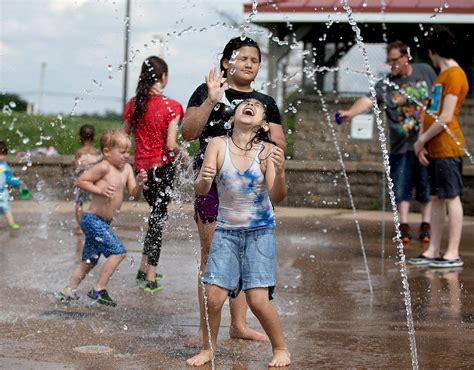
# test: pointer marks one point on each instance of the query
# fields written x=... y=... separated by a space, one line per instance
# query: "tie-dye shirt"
x=244 y=202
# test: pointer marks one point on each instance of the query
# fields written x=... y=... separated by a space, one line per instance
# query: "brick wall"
x=311 y=183
x=315 y=175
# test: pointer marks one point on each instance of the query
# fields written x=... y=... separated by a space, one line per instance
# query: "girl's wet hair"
x=112 y=138
x=153 y=69
x=235 y=44
x=86 y=133
x=3 y=147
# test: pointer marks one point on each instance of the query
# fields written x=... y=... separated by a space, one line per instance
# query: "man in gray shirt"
x=408 y=86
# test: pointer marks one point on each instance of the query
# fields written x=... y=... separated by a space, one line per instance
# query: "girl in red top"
x=153 y=120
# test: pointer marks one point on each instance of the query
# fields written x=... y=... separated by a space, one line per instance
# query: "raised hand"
x=277 y=156
x=215 y=87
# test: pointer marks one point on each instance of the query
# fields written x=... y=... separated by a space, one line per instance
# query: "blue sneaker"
x=441 y=262
x=101 y=297
x=420 y=260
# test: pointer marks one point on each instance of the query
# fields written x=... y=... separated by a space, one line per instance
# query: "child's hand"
x=208 y=173
x=345 y=115
x=215 y=91
x=109 y=191
x=142 y=177
x=277 y=156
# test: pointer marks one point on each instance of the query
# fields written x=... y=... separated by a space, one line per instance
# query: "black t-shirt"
x=217 y=124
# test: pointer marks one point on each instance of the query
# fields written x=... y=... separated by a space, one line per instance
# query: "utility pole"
x=41 y=87
x=161 y=47
x=126 y=39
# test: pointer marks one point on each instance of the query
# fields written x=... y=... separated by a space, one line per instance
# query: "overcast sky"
x=81 y=43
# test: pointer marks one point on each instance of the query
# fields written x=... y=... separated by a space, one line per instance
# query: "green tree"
x=14 y=101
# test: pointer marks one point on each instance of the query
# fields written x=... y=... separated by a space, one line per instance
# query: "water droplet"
x=7 y=110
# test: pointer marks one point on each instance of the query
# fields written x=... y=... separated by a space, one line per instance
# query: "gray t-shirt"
x=404 y=115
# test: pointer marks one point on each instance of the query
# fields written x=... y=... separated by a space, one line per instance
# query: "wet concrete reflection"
x=328 y=315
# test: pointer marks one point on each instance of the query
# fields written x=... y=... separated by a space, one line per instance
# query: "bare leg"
x=206 y=233
x=78 y=214
x=455 y=216
x=150 y=270
x=268 y=317
x=238 y=307
x=113 y=261
x=9 y=217
x=238 y=325
x=144 y=263
x=425 y=209
x=77 y=276
x=438 y=214
x=151 y=273
x=403 y=209
x=79 y=244
x=216 y=297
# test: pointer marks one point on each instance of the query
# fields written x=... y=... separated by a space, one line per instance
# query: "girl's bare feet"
x=281 y=357
x=244 y=333
x=200 y=359
x=247 y=334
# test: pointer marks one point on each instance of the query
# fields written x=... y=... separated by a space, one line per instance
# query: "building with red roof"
x=323 y=26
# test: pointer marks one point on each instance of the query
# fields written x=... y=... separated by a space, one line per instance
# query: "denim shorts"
x=100 y=239
x=206 y=206
x=242 y=259
x=408 y=173
x=446 y=177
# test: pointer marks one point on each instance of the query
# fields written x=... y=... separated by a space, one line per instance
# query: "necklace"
x=244 y=149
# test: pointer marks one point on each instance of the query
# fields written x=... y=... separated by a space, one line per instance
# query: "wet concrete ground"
x=328 y=315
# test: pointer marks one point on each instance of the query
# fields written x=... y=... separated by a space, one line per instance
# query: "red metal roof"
x=364 y=6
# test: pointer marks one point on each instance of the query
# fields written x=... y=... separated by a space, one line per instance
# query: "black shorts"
x=445 y=176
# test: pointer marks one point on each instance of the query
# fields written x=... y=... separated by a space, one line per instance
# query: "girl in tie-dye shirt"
x=250 y=176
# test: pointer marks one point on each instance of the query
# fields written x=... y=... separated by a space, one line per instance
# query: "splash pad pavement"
x=328 y=315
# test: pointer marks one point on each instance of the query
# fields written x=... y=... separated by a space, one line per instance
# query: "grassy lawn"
x=24 y=132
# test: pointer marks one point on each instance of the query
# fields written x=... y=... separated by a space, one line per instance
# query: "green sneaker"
x=152 y=287
x=141 y=277
x=13 y=226
x=102 y=297
x=68 y=299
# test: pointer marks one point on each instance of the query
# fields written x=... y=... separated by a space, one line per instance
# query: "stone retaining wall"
x=315 y=176
x=311 y=183
x=315 y=138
